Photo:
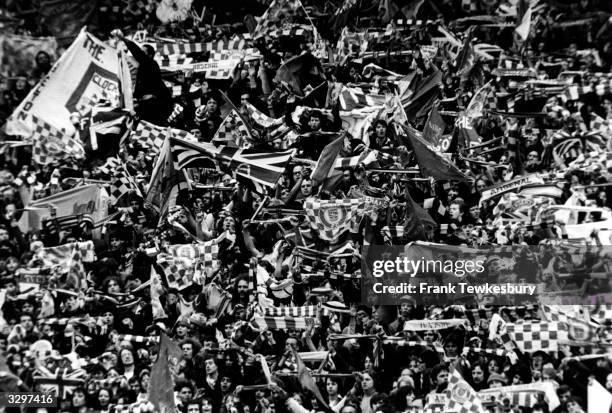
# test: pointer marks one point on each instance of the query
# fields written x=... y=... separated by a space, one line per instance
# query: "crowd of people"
x=215 y=224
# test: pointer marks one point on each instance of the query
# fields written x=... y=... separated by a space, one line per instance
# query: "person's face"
x=367 y=363
x=452 y=194
x=115 y=243
x=108 y=318
x=451 y=349
x=306 y=188
x=185 y=394
x=4 y=235
x=537 y=362
x=226 y=384
x=193 y=408
x=26 y=322
x=332 y=387
x=78 y=399
x=113 y=287
x=229 y=224
x=181 y=330
x=532 y=157
x=243 y=287
x=206 y=406
x=442 y=377
x=478 y=375
x=493 y=367
x=211 y=106
x=291 y=343
x=475 y=212
x=127 y=358
x=210 y=366
x=380 y=131
x=565 y=396
x=367 y=382
x=297 y=172
x=314 y=123
x=244 y=99
x=27 y=307
x=454 y=211
x=103 y=397
x=187 y=351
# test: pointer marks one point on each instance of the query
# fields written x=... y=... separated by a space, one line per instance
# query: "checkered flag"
x=332 y=218
x=151 y=137
x=225 y=133
x=50 y=143
x=205 y=252
x=177 y=270
x=122 y=184
x=532 y=336
x=461 y=397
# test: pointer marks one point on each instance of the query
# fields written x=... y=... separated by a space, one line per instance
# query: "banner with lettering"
x=424 y=325
x=18 y=53
x=89 y=200
x=510 y=186
x=87 y=72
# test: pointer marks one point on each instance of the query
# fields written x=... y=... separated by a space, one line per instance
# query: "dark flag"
x=301 y=71
x=418 y=222
x=430 y=163
x=426 y=92
x=434 y=128
x=325 y=165
x=161 y=383
x=307 y=381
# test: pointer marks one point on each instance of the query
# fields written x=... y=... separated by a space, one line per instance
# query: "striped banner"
x=305 y=311
x=281 y=323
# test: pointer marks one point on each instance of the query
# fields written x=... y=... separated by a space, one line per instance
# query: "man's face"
x=475 y=212
x=127 y=358
x=244 y=99
x=442 y=377
x=243 y=288
x=306 y=188
x=181 y=330
x=26 y=322
x=478 y=375
x=380 y=131
x=4 y=235
x=187 y=350
x=211 y=106
x=565 y=396
x=193 y=408
x=206 y=406
x=454 y=211
x=297 y=172
x=185 y=394
x=314 y=123
x=211 y=366
x=226 y=384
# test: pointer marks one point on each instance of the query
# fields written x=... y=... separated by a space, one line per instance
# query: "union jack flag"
x=262 y=168
x=62 y=382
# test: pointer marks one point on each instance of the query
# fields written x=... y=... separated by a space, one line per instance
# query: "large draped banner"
x=88 y=71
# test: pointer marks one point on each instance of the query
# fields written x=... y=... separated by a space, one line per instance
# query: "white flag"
x=599 y=399
x=523 y=29
x=90 y=70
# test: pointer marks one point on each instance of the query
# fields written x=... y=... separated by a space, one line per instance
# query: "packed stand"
x=192 y=236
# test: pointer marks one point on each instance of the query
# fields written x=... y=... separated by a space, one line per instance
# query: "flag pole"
x=263 y=203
